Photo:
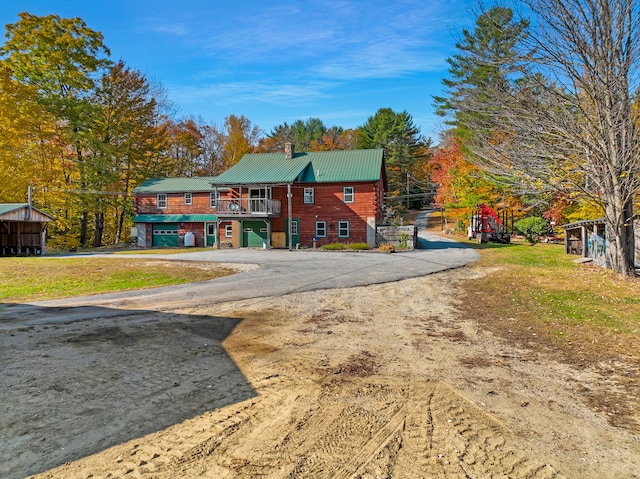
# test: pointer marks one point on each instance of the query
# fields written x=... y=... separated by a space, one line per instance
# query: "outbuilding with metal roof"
x=23 y=229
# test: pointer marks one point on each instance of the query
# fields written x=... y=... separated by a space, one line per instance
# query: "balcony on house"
x=248 y=208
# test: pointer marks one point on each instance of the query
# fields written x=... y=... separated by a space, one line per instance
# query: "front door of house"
x=295 y=232
x=210 y=229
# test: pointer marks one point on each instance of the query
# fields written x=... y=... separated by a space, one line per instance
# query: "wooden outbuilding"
x=587 y=238
x=23 y=229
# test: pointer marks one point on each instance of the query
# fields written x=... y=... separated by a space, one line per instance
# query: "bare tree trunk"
x=620 y=238
x=120 y=227
x=99 y=229
x=84 y=227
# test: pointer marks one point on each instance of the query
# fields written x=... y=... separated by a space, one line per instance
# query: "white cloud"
x=234 y=93
x=335 y=39
x=165 y=27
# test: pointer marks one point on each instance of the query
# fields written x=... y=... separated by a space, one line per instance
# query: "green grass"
x=539 y=288
x=536 y=298
x=343 y=246
x=159 y=251
x=29 y=279
x=358 y=246
x=333 y=247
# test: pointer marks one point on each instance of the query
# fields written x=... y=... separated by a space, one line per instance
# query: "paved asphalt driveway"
x=280 y=272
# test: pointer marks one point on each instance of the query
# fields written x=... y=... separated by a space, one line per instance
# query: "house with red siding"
x=310 y=198
x=272 y=200
x=176 y=212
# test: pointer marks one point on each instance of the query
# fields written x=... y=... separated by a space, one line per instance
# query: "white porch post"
x=268 y=222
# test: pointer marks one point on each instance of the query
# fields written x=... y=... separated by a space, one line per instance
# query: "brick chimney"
x=288 y=150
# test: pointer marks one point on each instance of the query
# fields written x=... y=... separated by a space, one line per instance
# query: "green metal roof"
x=308 y=167
x=6 y=208
x=263 y=168
x=175 y=185
x=9 y=207
x=174 y=218
x=347 y=165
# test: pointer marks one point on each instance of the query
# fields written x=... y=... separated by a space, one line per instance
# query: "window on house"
x=294 y=228
x=321 y=229
x=228 y=231
x=214 y=196
x=308 y=196
x=161 y=201
x=348 y=194
x=188 y=199
x=343 y=229
x=211 y=229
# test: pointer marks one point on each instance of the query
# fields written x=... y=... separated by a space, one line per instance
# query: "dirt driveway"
x=379 y=381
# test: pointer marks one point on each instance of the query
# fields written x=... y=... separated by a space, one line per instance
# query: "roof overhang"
x=24 y=213
x=579 y=224
x=174 y=218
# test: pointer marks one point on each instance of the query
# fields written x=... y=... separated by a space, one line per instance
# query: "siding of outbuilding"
x=588 y=239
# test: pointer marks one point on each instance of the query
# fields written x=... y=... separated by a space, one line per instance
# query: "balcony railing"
x=248 y=207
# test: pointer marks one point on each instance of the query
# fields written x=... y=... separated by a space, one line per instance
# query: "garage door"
x=165 y=234
x=254 y=234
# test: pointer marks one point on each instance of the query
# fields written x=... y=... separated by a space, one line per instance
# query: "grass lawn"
x=536 y=297
x=36 y=278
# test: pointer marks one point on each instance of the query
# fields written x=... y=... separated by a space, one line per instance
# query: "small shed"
x=23 y=229
x=588 y=239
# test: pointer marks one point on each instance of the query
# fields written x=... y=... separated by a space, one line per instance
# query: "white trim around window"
x=308 y=196
x=321 y=229
x=214 y=196
x=343 y=229
x=188 y=198
x=161 y=201
x=228 y=231
x=348 y=194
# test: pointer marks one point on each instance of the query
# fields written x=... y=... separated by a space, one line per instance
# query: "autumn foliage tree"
x=123 y=133
x=461 y=185
x=570 y=123
x=59 y=57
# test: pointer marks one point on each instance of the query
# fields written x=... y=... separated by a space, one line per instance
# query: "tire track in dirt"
x=350 y=386
x=364 y=429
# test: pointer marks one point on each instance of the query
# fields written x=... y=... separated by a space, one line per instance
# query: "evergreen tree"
x=400 y=138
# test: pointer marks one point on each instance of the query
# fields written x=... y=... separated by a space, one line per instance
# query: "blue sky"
x=278 y=61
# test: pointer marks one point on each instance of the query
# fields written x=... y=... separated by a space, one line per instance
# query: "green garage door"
x=165 y=234
x=254 y=234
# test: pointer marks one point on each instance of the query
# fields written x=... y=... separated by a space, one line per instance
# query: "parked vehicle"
x=486 y=225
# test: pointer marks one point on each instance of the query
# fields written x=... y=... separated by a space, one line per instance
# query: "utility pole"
x=408 y=190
